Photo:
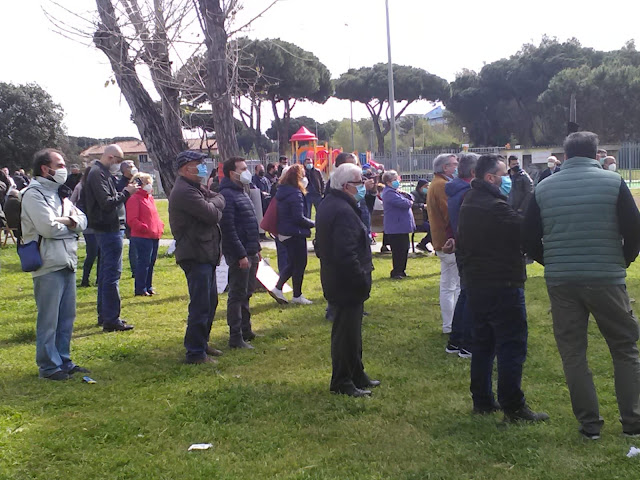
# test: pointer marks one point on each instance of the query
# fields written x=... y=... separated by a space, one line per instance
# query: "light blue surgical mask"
x=455 y=173
x=425 y=190
x=309 y=166
x=362 y=191
x=505 y=186
x=395 y=184
x=202 y=170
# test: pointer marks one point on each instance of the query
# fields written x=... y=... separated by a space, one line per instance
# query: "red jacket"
x=142 y=216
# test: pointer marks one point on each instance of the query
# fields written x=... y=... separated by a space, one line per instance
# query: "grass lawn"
x=162 y=204
x=268 y=412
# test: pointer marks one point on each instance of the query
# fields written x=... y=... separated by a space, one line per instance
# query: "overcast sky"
x=441 y=37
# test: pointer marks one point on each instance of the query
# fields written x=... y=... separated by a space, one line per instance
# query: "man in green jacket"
x=584 y=227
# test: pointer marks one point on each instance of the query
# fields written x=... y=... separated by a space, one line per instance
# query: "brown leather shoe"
x=214 y=352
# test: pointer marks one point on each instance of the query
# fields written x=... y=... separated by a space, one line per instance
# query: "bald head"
x=112 y=155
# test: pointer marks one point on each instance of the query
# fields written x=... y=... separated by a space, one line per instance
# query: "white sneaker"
x=301 y=300
x=278 y=295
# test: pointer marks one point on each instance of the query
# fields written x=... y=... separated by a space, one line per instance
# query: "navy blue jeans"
x=92 y=254
x=461 y=327
x=499 y=329
x=203 y=301
x=146 y=252
x=109 y=271
x=296 y=264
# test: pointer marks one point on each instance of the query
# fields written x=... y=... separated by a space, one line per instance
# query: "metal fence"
x=629 y=163
x=419 y=163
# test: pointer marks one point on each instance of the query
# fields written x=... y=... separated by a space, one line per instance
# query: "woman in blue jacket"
x=293 y=230
x=398 y=222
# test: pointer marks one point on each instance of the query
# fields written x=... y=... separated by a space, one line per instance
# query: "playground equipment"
x=304 y=144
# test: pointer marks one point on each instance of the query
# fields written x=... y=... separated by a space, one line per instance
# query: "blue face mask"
x=455 y=173
x=395 y=184
x=309 y=166
x=505 y=186
x=202 y=170
x=362 y=191
x=424 y=190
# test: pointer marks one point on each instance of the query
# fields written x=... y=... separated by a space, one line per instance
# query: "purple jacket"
x=398 y=217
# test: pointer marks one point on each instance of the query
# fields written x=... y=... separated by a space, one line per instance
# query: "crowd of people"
x=482 y=215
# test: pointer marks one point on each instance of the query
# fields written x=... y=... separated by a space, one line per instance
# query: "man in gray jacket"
x=50 y=218
x=584 y=227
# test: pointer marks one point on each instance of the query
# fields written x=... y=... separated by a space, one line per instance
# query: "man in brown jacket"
x=194 y=215
x=445 y=168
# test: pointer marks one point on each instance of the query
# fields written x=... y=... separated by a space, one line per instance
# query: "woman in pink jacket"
x=146 y=229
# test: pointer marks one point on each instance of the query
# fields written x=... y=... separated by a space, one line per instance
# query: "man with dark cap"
x=194 y=215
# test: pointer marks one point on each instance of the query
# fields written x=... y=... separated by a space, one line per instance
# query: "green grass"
x=268 y=412
x=162 y=204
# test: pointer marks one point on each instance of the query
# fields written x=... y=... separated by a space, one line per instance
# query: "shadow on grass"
x=24 y=335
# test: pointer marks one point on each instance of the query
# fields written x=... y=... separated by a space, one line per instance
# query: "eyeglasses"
x=119 y=158
x=357 y=183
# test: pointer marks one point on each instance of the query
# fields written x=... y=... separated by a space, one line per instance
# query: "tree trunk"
x=218 y=78
x=161 y=135
x=379 y=133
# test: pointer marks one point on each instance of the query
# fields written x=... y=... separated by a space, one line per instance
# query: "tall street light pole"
x=394 y=149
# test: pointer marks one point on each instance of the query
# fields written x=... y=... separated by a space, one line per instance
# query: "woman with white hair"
x=342 y=245
x=398 y=222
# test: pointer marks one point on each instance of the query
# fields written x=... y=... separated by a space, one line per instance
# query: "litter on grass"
x=200 y=446
x=633 y=452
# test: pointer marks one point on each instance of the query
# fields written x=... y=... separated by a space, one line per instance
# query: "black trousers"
x=399 y=243
x=296 y=264
x=346 y=349
x=242 y=283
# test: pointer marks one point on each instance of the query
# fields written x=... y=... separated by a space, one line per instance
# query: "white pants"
x=449 y=288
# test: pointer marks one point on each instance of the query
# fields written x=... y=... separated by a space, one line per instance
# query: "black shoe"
x=371 y=384
x=384 y=249
x=464 y=353
x=365 y=314
x=85 y=284
x=451 y=348
x=404 y=275
x=397 y=277
x=151 y=291
x=248 y=336
x=352 y=392
x=495 y=407
x=78 y=369
x=525 y=414
x=589 y=436
x=143 y=294
x=213 y=352
x=59 y=375
x=631 y=433
x=121 y=326
x=421 y=247
x=241 y=344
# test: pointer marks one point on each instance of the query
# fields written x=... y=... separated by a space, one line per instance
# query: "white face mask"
x=305 y=182
x=245 y=177
x=148 y=188
x=134 y=170
x=114 y=169
x=551 y=164
x=612 y=167
x=60 y=176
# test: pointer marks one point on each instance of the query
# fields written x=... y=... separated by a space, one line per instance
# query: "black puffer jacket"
x=343 y=247
x=489 y=239
x=291 y=208
x=194 y=216
x=240 y=233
